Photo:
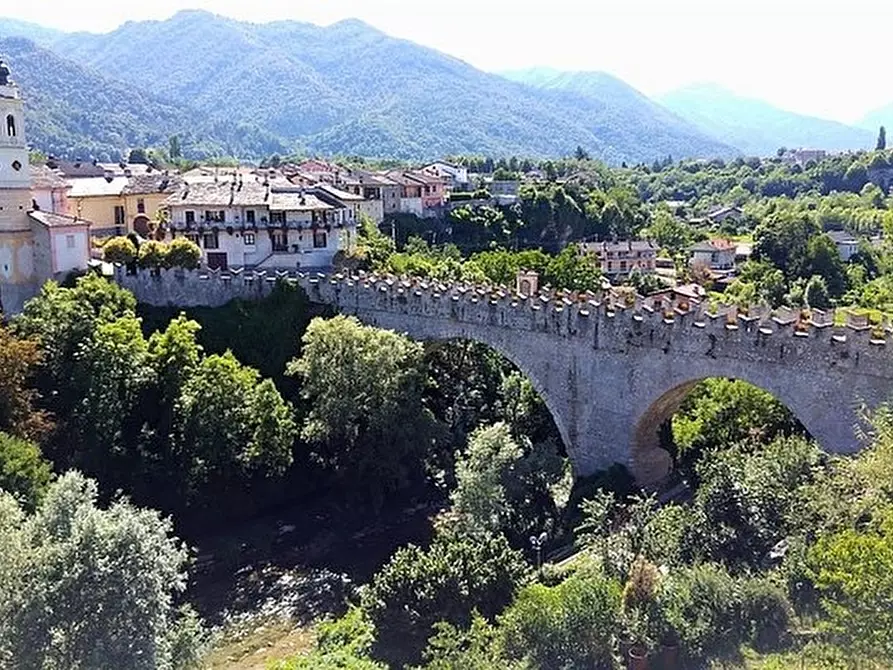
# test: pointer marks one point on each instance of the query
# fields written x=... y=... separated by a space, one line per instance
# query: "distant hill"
x=345 y=88
x=76 y=112
x=756 y=127
x=873 y=121
x=623 y=114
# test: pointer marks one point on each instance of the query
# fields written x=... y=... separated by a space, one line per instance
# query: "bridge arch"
x=831 y=420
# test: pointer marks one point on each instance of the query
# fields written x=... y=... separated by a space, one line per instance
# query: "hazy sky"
x=822 y=57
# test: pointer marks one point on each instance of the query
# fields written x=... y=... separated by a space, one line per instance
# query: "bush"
x=119 y=250
x=152 y=255
x=571 y=625
x=183 y=253
x=23 y=472
x=448 y=581
x=701 y=604
x=766 y=613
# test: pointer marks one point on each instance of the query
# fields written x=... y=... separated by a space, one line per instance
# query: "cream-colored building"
x=35 y=245
x=121 y=205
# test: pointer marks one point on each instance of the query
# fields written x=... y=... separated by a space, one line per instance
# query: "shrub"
x=701 y=604
x=765 y=612
x=448 y=581
x=119 y=250
x=183 y=253
x=23 y=471
x=571 y=625
x=152 y=255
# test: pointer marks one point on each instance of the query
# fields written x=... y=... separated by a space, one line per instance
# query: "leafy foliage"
x=24 y=474
x=82 y=586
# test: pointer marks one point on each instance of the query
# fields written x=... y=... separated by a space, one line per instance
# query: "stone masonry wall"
x=609 y=370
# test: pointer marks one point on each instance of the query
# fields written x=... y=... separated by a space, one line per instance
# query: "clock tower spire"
x=17 y=276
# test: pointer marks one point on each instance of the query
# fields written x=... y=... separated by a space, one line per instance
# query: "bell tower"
x=17 y=277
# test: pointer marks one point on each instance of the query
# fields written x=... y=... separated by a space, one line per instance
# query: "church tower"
x=18 y=281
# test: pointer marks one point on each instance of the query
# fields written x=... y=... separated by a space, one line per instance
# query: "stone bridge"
x=611 y=370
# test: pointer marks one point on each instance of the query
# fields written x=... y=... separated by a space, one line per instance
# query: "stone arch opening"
x=10 y=125
x=651 y=462
x=478 y=368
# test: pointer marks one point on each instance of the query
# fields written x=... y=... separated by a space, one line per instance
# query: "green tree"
x=364 y=387
x=183 y=253
x=343 y=644
x=573 y=270
x=24 y=473
x=138 y=155
x=853 y=570
x=152 y=255
x=881 y=139
x=88 y=587
x=119 y=250
x=228 y=422
x=174 y=150
x=816 y=294
x=571 y=625
x=481 y=472
x=454 y=577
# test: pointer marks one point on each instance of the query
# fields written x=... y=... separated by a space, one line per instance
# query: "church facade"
x=35 y=245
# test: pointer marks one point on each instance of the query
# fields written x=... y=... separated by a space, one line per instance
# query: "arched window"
x=11 y=125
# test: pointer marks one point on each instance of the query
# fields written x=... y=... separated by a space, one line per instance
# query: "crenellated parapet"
x=611 y=366
x=607 y=319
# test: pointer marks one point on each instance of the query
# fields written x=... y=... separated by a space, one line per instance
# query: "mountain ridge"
x=755 y=126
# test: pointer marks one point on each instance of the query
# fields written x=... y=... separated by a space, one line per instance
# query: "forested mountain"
x=756 y=127
x=629 y=114
x=351 y=88
x=75 y=111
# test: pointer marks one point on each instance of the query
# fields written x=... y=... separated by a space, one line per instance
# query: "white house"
x=246 y=223
x=716 y=254
x=847 y=245
x=455 y=176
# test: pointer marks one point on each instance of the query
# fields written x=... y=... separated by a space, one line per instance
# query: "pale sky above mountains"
x=821 y=57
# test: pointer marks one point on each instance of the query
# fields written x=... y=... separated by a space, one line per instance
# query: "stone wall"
x=610 y=370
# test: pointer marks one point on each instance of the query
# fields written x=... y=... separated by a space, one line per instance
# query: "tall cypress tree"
x=881 y=139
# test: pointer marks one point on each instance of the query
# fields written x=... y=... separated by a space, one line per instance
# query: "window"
x=277 y=217
x=249 y=240
x=190 y=216
x=210 y=241
x=69 y=241
x=320 y=239
x=192 y=237
x=140 y=206
x=280 y=240
x=11 y=125
x=119 y=215
x=249 y=217
x=218 y=217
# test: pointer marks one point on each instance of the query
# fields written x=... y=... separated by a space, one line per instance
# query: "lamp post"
x=537 y=542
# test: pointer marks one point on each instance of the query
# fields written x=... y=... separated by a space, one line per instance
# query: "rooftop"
x=51 y=220
x=625 y=245
x=45 y=177
x=154 y=182
x=86 y=187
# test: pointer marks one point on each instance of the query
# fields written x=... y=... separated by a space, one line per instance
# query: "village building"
x=49 y=190
x=454 y=176
x=847 y=244
x=619 y=259
x=36 y=244
x=716 y=254
x=242 y=222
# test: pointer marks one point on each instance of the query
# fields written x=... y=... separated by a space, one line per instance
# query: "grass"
x=258 y=648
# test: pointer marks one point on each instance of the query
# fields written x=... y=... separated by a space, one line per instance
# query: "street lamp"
x=537 y=542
